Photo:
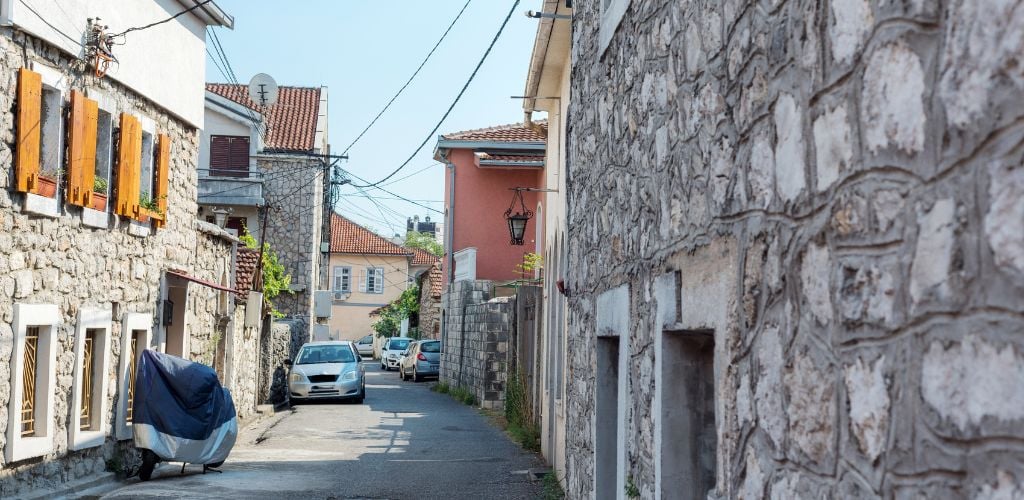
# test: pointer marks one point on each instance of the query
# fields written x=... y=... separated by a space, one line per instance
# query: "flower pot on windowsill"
x=46 y=186
x=99 y=202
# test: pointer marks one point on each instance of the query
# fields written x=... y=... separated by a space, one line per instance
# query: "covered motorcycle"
x=181 y=413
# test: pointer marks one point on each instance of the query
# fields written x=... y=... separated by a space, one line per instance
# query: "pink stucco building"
x=483 y=168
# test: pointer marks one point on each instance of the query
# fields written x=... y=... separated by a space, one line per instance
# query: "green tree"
x=405 y=306
x=423 y=241
x=275 y=280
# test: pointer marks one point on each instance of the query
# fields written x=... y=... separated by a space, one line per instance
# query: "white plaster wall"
x=165 y=63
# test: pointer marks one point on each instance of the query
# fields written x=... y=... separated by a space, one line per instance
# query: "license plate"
x=318 y=388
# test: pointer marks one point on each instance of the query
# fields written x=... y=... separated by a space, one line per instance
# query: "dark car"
x=422 y=360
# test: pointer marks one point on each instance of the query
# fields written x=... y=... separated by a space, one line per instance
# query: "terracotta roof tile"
x=246 y=269
x=516 y=132
x=423 y=257
x=292 y=120
x=349 y=237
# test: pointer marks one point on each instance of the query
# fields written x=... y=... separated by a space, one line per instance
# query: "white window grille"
x=89 y=388
x=30 y=411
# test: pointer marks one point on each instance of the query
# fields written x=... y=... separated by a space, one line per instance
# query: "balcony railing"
x=230 y=187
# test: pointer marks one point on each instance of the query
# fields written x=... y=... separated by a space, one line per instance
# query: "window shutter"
x=362 y=280
x=219 y=152
x=81 y=169
x=128 y=168
x=30 y=91
x=238 y=155
x=163 y=156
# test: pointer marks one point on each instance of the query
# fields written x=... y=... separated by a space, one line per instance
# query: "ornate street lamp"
x=517 y=221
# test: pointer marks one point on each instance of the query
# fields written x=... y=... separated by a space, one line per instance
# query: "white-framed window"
x=51 y=143
x=612 y=12
x=372 y=280
x=146 y=166
x=136 y=336
x=88 y=410
x=342 y=282
x=30 y=409
x=97 y=215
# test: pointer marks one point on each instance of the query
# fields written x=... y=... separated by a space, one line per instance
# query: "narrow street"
x=403 y=442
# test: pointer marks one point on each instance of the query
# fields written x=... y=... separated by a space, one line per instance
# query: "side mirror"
x=288 y=362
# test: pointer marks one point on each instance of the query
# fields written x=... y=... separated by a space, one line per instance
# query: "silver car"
x=327 y=370
x=423 y=359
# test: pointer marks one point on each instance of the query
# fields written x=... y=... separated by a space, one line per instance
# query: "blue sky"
x=363 y=51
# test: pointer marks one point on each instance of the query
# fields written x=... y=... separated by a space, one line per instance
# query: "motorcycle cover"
x=181 y=412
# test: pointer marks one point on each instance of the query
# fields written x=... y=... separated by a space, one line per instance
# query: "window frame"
x=233 y=166
x=612 y=13
x=132 y=322
x=35 y=203
x=346 y=288
x=370 y=274
x=106 y=158
x=100 y=320
x=47 y=318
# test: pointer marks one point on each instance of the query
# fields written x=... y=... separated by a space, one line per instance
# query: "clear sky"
x=363 y=51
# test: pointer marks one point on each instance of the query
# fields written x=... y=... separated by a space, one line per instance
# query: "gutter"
x=443 y=143
x=214 y=15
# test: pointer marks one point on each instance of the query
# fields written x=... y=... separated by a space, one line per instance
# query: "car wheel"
x=415 y=376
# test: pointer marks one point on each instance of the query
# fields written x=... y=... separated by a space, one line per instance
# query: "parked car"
x=401 y=357
x=391 y=351
x=423 y=360
x=365 y=346
x=327 y=370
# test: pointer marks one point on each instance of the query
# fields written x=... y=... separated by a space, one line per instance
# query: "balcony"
x=227 y=187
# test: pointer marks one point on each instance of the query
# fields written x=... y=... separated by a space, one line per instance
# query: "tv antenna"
x=263 y=90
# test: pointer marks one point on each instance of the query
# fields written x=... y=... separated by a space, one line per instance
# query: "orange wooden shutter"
x=128 y=167
x=30 y=91
x=76 y=146
x=92 y=120
x=163 y=156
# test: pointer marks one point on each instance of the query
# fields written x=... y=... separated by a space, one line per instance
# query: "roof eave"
x=210 y=13
x=446 y=144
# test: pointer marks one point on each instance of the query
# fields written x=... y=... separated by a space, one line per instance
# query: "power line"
x=54 y=28
x=456 y=101
x=394 y=194
x=407 y=82
x=424 y=169
x=395 y=199
x=186 y=11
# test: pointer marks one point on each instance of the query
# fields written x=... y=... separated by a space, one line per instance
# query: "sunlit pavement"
x=404 y=441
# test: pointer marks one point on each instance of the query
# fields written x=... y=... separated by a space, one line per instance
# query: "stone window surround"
x=612 y=318
x=47 y=317
x=131 y=322
x=91 y=319
x=612 y=12
x=53 y=79
x=96 y=218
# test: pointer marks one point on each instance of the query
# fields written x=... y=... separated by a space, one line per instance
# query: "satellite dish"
x=263 y=90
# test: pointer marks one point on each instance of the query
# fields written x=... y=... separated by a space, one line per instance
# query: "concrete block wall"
x=475 y=352
x=839 y=186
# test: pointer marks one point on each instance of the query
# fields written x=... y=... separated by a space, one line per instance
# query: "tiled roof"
x=423 y=257
x=245 y=272
x=516 y=132
x=349 y=237
x=292 y=120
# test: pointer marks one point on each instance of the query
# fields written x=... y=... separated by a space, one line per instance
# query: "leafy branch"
x=275 y=280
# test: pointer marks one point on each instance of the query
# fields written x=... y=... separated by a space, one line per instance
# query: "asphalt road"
x=403 y=442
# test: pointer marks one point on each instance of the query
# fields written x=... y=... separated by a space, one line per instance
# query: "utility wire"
x=54 y=28
x=169 y=19
x=407 y=200
x=407 y=82
x=424 y=169
x=456 y=101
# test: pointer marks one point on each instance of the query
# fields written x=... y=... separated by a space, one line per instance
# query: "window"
x=104 y=160
x=342 y=282
x=33 y=380
x=372 y=280
x=39 y=152
x=612 y=12
x=135 y=337
x=51 y=146
x=89 y=387
x=146 y=172
x=142 y=173
x=229 y=156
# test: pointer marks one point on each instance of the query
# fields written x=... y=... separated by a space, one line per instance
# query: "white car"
x=365 y=346
x=392 y=351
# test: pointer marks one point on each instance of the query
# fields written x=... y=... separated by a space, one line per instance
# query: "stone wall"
x=475 y=349
x=839 y=186
x=294 y=190
x=59 y=261
x=275 y=347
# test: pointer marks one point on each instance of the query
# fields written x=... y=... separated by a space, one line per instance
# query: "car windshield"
x=431 y=347
x=398 y=345
x=325 y=354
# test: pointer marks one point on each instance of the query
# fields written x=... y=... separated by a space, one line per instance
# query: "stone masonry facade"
x=836 y=190
x=475 y=354
x=61 y=262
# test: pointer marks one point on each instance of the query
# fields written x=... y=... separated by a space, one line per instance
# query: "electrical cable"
x=407 y=82
x=393 y=194
x=456 y=101
x=54 y=28
x=169 y=19
x=424 y=169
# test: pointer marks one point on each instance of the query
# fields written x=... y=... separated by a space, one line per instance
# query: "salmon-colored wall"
x=482 y=196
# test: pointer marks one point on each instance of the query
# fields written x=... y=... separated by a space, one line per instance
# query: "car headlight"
x=349 y=376
x=296 y=377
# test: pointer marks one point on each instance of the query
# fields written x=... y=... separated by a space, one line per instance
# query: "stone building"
x=97 y=232
x=796 y=262
x=431 y=284
x=280 y=163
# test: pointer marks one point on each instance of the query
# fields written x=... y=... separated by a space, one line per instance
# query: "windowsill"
x=30 y=447
x=138 y=229
x=88 y=439
x=41 y=205
x=151 y=214
x=95 y=218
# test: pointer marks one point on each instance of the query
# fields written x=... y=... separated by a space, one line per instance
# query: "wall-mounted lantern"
x=517 y=221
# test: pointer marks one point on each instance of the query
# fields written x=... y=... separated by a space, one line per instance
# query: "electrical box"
x=322 y=301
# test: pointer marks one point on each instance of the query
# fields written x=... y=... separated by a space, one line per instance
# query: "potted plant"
x=150 y=207
x=99 y=194
x=46 y=185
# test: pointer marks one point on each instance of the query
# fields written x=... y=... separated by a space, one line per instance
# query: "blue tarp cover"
x=180 y=410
